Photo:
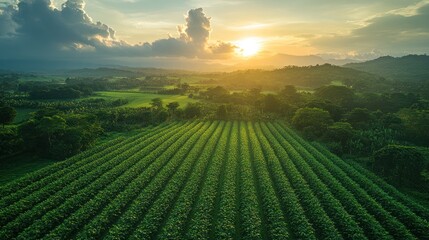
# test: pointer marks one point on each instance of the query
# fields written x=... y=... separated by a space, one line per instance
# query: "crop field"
x=140 y=99
x=208 y=180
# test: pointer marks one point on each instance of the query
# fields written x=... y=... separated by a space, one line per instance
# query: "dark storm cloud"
x=7 y=25
x=35 y=28
x=392 y=33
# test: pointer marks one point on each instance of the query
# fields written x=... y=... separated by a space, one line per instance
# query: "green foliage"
x=192 y=111
x=333 y=109
x=141 y=99
x=157 y=103
x=339 y=135
x=290 y=94
x=58 y=136
x=10 y=141
x=402 y=165
x=307 y=76
x=7 y=114
x=339 y=95
x=360 y=118
x=271 y=103
x=312 y=121
x=173 y=106
x=416 y=124
x=222 y=112
x=204 y=180
x=216 y=93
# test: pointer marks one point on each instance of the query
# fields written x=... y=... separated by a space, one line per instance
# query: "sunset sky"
x=212 y=30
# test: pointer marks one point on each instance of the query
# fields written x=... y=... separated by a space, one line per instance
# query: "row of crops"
x=208 y=180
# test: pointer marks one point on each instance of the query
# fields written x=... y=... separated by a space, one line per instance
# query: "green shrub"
x=403 y=165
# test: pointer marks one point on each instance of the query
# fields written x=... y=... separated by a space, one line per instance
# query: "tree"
x=340 y=133
x=339 y=95
x=271 y=104
x=192 y=110
x=333 y=109
x=7 y=115
x=50 y=126
x=185 y=87
x=60 y=136
x=10 y=141
x=360 y=118
x=157 y=103
x=222 y=112
x=312 y=121
x=290 y=94
x=416 y=124
x=402 y=165
x=217 y=94
x=173 y=106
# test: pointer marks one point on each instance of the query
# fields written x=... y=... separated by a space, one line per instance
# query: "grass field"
x=23 y=114
x=208 y=180
x=139 y=99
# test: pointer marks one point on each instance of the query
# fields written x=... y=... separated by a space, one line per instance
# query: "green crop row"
x=135 y=176
x=208 y=180
x=74 y=195
x=276 y=223
x=18 y=217
x=299 y=226
x=130 y=219
x=53 y=182
x=225 y=226
x=192 y=166
x=203 y=211
x=113 y=209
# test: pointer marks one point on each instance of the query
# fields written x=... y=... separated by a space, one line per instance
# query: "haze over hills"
x=273 y=70
x=410 y=67
x=306 y=76
x=281 y=60
x=269 y=62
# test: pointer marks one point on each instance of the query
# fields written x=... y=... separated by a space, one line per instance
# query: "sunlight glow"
x=248 y=47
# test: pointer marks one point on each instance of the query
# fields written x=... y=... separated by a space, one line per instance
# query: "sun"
x=248 y=47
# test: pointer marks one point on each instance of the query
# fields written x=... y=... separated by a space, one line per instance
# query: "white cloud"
x=35 y=26
x=398 y=32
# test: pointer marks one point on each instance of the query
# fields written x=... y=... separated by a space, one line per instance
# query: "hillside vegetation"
x=407 y=68
x=310 y=77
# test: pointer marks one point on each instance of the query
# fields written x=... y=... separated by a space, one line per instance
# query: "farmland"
x=208 y=180
x=139 y=99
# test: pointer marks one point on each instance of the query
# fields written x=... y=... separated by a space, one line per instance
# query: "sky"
x=209 y=31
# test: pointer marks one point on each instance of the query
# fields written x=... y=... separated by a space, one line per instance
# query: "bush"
x=10 y=141
x=402 y=165
x=313 y=122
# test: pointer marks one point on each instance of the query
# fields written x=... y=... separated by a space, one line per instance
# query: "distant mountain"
x=282 y=60
x=410 y=67
x=307 y=76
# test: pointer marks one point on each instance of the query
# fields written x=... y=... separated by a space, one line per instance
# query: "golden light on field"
x=248 y=47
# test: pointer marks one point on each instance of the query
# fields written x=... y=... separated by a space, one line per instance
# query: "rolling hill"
x=410 y=67
x=310 y=77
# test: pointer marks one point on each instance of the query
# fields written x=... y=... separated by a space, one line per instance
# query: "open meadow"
x=142 y=99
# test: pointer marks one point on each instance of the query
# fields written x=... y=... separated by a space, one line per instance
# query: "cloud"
x=396 y=32
x=7 y=25
x=36 y=29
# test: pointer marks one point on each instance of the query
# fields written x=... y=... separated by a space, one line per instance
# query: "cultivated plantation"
x=208 y=180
